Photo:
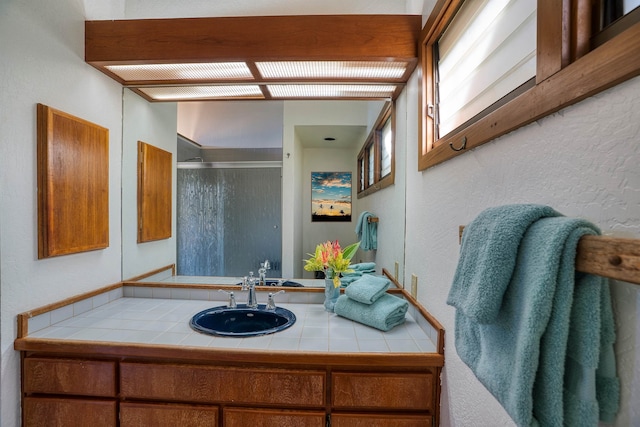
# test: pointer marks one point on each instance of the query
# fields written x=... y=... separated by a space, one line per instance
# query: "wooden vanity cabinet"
x=126 y=391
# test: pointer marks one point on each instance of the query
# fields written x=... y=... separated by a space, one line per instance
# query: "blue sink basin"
x=286 y=283
x=242 y=321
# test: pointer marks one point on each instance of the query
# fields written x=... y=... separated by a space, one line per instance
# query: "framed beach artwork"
x=331 y=196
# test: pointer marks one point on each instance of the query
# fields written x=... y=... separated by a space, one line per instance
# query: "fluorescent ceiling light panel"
x=196 y=71
x=332 y=69
x=331 y=91
x=202 y=92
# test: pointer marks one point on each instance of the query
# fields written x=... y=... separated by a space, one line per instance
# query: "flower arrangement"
x=332 y=259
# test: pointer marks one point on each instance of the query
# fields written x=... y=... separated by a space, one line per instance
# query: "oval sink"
x=276 y=282
x=242 y=321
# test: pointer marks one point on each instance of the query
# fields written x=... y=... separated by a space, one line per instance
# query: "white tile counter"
x=149 y=315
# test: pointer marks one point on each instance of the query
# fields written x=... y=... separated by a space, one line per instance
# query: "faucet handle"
x=271 y=305
x=232 y=298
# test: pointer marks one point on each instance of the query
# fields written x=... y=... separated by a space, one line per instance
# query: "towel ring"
x=462 y=147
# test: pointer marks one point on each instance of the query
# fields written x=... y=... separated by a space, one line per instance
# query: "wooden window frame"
x=373 y=143
x=568 y=70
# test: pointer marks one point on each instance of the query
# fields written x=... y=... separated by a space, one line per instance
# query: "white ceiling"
x=256 y=124
x=345 y=136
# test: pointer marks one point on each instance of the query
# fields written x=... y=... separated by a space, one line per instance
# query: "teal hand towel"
x=547 y=356
x=386 y=313
x=368 y=289
x=487 y=259
x=367 y=232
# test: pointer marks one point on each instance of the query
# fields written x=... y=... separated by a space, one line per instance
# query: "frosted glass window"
x=386 y=140
x=376 y=158
x=488 y=50
x=372 y=167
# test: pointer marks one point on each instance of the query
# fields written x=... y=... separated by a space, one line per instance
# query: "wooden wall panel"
x=73 y=184
x=154 y=193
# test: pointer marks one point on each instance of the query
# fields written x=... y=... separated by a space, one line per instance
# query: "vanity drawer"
x=242 y=417
x=69 y=376
x=167 y=415
x=215 y=384
x=61 y=412
x=375 y=420
x=408 y=391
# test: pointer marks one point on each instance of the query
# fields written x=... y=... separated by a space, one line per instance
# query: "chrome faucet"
x=252 y=301
x=271 y=305
x=262 y=272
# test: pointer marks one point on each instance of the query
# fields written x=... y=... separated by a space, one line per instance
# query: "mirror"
x=300 y=127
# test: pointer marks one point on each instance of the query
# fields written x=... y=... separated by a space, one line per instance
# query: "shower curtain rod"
x=606 y=256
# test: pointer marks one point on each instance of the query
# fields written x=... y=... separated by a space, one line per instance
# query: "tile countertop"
x=161 y=316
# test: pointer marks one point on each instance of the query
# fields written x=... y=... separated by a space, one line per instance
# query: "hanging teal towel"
x=368 y=288
x=544 y=345
x=386 y=313
x=367 y=232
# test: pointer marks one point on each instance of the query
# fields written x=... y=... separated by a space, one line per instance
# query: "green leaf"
x=350 y=250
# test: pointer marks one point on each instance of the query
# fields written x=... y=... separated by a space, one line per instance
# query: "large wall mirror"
x=242 y=184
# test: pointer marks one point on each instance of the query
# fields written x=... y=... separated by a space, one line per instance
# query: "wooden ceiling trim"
x=256 y=38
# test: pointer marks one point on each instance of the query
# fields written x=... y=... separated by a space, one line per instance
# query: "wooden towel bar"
x=373 y=219
x=606 y=256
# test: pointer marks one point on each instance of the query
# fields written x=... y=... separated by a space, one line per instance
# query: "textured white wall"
x=388 y=204
x=583 y=161
x=42 y=53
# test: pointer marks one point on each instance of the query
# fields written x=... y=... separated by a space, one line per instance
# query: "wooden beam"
x=317 y=37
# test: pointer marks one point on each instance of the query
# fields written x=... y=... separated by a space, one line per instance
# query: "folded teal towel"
x=359 y=270
x=347 y=280
x=547 y=355
x=367 y=232
x=384 y=314
x=367 y=267
x=368 y=288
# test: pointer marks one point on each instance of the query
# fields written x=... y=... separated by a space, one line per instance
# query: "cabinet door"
x=214 y=384
x=69 y=376
x=56 y=412
x=241 y=417
x=167 y=415
x=395 y=391
x=372 y=420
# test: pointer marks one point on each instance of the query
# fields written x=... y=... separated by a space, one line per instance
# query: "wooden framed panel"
x=154 y=193
x=73 y=184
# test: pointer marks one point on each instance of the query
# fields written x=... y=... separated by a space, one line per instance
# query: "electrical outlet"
x=396 y=270
x=414 y=286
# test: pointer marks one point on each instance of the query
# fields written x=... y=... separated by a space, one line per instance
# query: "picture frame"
x=330 y=196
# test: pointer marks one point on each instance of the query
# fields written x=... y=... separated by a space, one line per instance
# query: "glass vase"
x=331 y=294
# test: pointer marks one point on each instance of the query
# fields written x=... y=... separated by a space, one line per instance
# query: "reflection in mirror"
x=224 y=149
